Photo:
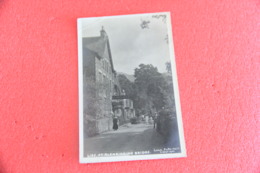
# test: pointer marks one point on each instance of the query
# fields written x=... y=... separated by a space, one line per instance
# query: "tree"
x=150 y=88
x=127 y=86
x=145 y=23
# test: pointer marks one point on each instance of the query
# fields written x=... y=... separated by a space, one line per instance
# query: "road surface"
x=128 y=138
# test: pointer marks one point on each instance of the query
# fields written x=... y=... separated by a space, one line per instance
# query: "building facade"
x=123 y=108
x=100 y=85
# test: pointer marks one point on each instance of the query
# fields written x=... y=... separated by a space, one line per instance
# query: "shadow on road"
x=129 y=138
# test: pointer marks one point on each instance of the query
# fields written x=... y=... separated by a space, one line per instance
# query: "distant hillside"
x=128 y=76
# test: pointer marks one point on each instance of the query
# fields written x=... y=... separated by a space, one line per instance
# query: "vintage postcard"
x=129 y=106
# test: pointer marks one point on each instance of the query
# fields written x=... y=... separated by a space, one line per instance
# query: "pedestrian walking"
x=115 y=123
x=155 y=120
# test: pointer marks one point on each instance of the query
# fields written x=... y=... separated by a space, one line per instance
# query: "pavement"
x=128 y=138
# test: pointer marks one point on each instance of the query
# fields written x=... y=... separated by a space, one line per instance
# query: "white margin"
x=83 y=159
x=80 y=87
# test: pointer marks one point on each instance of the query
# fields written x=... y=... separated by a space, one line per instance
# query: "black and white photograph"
x=129 y=105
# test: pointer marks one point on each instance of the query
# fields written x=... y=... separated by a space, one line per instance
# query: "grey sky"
x=130 y=44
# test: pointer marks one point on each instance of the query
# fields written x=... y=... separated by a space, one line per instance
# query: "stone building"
x=100 y=84
x=123 y=108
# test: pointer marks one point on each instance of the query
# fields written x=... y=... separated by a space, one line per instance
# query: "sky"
x=130 y=44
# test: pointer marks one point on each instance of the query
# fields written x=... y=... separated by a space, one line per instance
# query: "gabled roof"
x=95 y=44
x=98 y=45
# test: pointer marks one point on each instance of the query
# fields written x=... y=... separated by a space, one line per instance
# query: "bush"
x=167 y=123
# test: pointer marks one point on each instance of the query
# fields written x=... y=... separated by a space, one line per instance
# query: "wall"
x=104 y=124
x=217 y=57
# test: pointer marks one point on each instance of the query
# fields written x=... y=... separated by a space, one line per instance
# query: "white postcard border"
x=83 y=159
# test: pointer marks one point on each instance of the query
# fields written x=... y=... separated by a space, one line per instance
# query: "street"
x=128 y=138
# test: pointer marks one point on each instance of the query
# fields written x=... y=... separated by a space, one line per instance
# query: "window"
x=104 y=79
x=100 y=84
x=104 y=87
x=100 y=77
x=106 y=67
x=110 y=86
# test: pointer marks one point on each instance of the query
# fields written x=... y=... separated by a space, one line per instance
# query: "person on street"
x=115 y=123
x=155 y=120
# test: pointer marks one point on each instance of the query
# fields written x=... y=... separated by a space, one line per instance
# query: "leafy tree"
x=127 y=86
x=150 y=91
x=144 y=24
x=150 y=88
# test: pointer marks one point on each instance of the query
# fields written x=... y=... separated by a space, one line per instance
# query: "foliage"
x=144 y=24
x=150 y=87
x=127 y=86
x=162 y=16
x=168 y=126
x=151 y=91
